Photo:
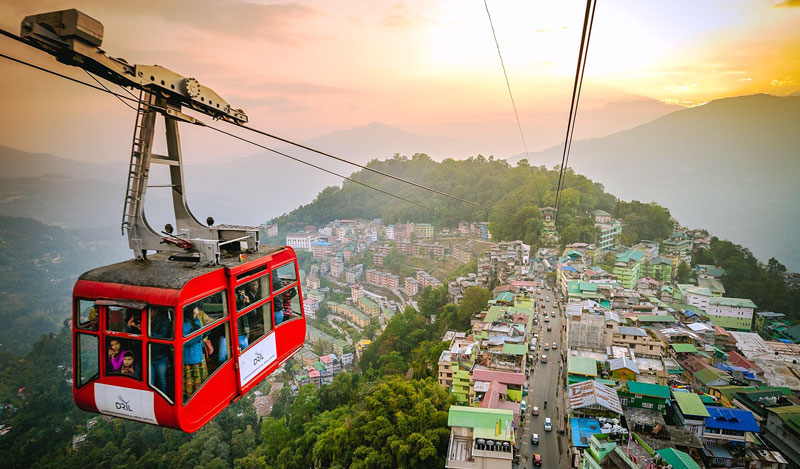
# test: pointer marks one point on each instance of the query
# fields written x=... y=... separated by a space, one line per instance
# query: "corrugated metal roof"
x=690 y=404
x=635 y=331
x=647 y=389
x=588 y=393
x=623 y=362
x=726 y=418
x=678 y=459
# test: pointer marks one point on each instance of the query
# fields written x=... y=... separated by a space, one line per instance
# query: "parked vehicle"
x=535 y=411
x=523 y=406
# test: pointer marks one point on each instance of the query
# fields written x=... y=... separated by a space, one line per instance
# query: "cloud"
x=400 y=17
x=231 y=18
x=789 y=4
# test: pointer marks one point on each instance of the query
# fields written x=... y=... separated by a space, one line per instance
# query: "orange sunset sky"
x=305 y=68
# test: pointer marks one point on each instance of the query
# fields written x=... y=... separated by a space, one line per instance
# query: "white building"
x=390 y=232
x=300 y=241
x=607 y=234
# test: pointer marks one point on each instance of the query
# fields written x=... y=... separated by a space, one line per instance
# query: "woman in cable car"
x=153 y=339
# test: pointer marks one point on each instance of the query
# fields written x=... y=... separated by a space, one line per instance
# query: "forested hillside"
x=38 y=267
x=515 y=195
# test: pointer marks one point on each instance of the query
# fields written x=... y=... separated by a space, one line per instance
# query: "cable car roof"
x=160 y=272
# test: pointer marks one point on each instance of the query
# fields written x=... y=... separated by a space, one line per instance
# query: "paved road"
x=544 y=385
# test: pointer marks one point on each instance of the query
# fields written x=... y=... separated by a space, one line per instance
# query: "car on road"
x=544 y=358
x=554 y=346
x=535 y=438
x=547 y=298
x=525 y=390
x=537 y=459
x=548 y=426
x=523 y=407
x=546 y=346
x=535 y=411
x=549 y=328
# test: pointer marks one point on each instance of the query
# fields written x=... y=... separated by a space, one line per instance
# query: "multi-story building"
x=271 y=230
x=423 y=230
x=462 y=254
x=404 y=247
x=601 y=217
x=470 y=446
x=411 y=286
x=427 y=280
x=321 y=249
x=382 y=279
x=377 y=259
x=369 y=307
x=390 y=232
x=353 y=273
x=638 y=340
x=731 y=313
x=688 y=412
x=659 y=268
x=782 y=431
x=608 y=234
x=694 y=296
x=355 y=316
x=627 y=268
x=300 y=241
x=337 y=267
x=356 y=292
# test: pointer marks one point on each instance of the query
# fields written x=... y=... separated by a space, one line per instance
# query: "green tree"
x=475 y=300
x=683 y=272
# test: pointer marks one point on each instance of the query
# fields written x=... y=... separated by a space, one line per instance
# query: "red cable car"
x=171 y=339
x=171 y=345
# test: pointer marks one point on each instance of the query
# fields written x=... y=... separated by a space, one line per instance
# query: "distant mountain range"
x=729 y=166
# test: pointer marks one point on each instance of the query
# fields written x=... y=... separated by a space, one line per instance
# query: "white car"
x=535 y=438
x=546 y=346
x=547 y=425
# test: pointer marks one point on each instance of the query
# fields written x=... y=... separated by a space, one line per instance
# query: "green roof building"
x=644 y=396
x=627 y=268
x=688 y=411
x=471 y=426
x=581 y=369
x=678 y=459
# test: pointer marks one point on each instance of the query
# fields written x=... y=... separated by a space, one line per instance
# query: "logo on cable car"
x=258 y=358
x=122 y=404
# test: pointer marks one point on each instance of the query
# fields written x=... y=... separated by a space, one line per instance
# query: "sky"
x=306 y=68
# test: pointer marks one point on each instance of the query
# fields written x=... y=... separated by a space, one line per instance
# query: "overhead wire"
x=346 y=178
x=106 y=88
x=576 y=93
x=505 y=74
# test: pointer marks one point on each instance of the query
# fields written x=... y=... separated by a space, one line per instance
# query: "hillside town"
x=642 y=367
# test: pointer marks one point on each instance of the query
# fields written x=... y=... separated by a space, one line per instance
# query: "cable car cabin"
x=172 y=343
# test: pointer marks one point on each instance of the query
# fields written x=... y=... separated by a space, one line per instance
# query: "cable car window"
x=254 y=324
x=88 y=362
x=124 y=357
x=200 y=358
x=161 y=369
x=207 y=311
x=161 y=319
x=283 y=276
x=87 y=315
x=287 y=306
x=250 y=272
x=251 y=292
x=121 y=319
